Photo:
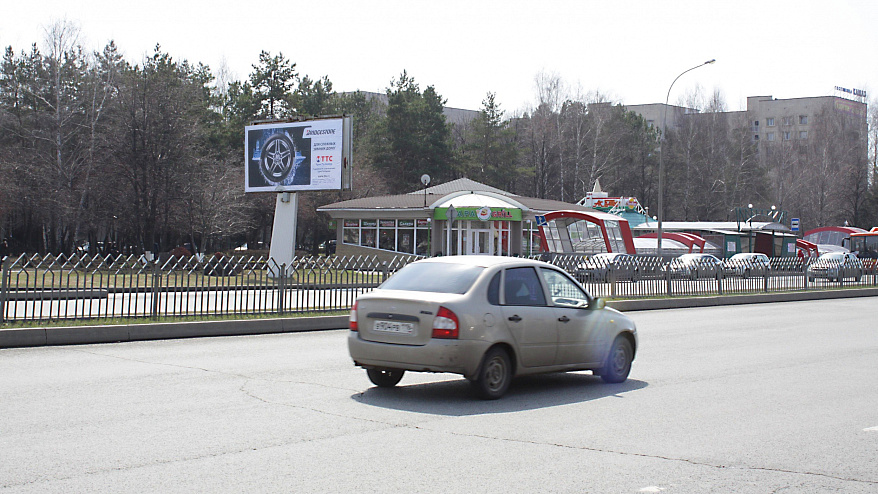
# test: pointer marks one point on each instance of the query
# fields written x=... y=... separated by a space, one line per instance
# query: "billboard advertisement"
x=297 y=156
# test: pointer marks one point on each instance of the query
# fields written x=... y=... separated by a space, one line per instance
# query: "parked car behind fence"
x=836 y=266
x=608 y=266
x=747 y=264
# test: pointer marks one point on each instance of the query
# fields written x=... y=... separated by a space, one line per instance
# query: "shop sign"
x=423 y=223
x=406 y=223
x=351 y=223
x=608 y=203
x=388 y=223
x=370 y=223
x=489 y=214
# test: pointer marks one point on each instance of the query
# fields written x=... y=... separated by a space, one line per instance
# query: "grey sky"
x=628 y=50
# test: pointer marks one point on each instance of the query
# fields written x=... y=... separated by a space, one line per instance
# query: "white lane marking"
x=652 y=488
x=871 y=429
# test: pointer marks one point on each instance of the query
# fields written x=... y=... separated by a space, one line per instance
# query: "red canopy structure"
x=805 y=248
x=688 y=239
x=839 y=236
x=585 y=232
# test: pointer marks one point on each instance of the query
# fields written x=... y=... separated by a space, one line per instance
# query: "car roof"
x=486 y=261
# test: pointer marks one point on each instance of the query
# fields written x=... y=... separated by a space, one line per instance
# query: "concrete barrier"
x=758 y=298
x=75 y=335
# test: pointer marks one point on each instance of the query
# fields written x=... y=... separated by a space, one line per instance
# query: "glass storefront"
x=479 y=237
x=406 y=236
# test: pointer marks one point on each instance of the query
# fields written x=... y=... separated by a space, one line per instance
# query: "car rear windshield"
x=440 y=277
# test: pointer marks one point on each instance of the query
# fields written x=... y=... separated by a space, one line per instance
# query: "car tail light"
x=446 y=324
x=352 y=321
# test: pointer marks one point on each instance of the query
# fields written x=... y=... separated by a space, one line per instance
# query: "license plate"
x=394 y=327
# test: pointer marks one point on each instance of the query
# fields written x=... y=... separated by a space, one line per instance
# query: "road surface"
x=747 y=399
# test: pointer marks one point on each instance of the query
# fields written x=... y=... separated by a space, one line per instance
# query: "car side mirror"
x=597 y=304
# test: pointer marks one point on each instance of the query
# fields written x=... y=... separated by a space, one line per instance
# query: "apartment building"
x=769 y=119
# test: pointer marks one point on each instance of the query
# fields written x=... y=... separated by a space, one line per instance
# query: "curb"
x=759 y=298
x=31 y=337
x=11 y=338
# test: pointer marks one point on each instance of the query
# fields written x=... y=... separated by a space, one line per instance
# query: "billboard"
x=297 y=156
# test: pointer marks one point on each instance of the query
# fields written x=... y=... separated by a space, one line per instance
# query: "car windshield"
x=439 y=277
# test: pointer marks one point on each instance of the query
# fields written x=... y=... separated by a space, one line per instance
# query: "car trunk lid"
x=398 y=317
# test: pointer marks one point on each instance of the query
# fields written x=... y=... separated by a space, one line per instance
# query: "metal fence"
x=46 y=288
x=631 y=277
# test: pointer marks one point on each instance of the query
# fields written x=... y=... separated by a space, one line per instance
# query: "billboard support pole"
x=283 y=232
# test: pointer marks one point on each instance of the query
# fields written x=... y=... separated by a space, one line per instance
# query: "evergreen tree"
x=273 y=81
x=414 y=137
x=490 y=155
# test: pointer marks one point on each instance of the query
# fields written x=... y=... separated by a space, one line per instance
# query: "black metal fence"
x=646 y=277
x=47 y=288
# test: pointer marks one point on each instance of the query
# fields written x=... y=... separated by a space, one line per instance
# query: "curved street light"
x=661 y=184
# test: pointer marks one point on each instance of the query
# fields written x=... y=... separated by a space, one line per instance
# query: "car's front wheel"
x=618 y=361
x=495 y=374
x=385 y=378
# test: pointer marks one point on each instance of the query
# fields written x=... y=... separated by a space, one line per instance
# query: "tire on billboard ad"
x=296 y=156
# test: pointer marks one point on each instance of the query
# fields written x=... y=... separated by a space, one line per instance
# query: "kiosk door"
x=481 y=242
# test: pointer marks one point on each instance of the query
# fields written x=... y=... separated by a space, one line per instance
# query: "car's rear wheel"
x=495 y=374
x=385 y=378
x=618 y=361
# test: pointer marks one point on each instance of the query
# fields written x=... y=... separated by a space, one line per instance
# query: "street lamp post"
x=661 y=183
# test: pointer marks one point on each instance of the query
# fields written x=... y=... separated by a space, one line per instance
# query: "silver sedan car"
x=490 y=319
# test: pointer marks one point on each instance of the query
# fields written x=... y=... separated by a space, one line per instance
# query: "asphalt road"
x=757 y=398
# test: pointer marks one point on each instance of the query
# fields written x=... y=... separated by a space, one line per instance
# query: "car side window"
x=522 y=287
x=563 y=291
x=494 y=290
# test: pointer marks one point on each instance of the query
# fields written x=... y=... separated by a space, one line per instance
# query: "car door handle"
x=563 y=319
x=515 y=318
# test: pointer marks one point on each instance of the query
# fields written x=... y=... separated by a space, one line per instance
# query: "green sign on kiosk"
x=483 y=214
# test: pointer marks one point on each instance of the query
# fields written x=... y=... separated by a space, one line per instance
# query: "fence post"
x=281 y=289
x=668 y=278
x=805 y=273
x=5 y=266
x=156 y=281
x=383 y=271
x=611 y=277
x=720 y=276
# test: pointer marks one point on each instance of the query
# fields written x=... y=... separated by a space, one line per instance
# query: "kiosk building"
x=485 y=220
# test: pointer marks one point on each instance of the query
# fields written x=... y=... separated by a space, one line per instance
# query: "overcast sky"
x=628 y=50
